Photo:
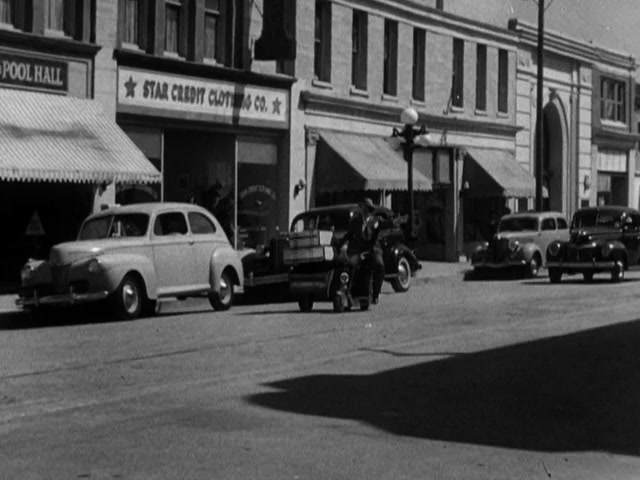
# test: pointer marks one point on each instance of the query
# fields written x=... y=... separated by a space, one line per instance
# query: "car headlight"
x=93 y=265
x=554 y=249
x=606 y=249
x=514 y=245
x=344 y=277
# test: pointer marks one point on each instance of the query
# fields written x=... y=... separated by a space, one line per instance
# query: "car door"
x=206 y=237
x=172 y=253
x=631 y=237
x=562 y=229
x=548 y=233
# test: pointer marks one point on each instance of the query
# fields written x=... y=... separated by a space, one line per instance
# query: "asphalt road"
x=493 y=379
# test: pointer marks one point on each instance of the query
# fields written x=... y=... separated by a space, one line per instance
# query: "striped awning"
x=496 y=173
x=54 y=138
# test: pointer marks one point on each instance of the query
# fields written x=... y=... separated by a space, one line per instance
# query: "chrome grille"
x=499 y=248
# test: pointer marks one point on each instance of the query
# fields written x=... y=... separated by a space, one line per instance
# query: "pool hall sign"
x=30 y=72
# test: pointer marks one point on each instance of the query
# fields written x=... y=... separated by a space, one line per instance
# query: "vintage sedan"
x=132 y=256
x=520 y=242
x=603 y=239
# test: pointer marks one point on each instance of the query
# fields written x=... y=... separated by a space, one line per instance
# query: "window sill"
x=55 y=33
x=356 y=92
x=131 y=46
x=175 y=55
x=480 y=113
x=612 y=123
x=456 y=109
x=211 y=61
x=316 y=82
x=503 y=114
x=8 y=26
x=386 y=97
x=418 y=103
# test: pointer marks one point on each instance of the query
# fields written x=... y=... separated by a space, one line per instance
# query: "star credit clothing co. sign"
x=187 y=97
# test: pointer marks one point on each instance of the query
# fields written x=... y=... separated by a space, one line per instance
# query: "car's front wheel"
x=127 y=300
x=402 y=282
x=223 y=298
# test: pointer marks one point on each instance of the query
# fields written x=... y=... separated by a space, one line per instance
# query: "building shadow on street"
x=577 y=392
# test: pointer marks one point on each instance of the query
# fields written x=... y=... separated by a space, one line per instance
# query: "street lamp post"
x=410 y=135
x=539 y=100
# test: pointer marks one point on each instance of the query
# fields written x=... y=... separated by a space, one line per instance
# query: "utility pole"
x=539 y=109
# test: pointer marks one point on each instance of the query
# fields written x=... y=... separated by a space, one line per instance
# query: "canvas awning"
x=347 y=161
x=55 y=138
x=496 y=173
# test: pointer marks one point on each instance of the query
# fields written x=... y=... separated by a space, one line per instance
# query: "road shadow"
x=578 y=280
x=55 y=317
x=497 y=275
x=578 y=392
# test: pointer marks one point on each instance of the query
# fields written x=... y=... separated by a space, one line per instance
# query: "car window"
x=200 y=224
x=548 y=224
x=115 y=226
x=171 y=223
x=609 y=220
x=584 y=219
x=562 y=223
x=518 y=224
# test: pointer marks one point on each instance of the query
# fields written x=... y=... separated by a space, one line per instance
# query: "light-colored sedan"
x=521 y=241
x=134 y=255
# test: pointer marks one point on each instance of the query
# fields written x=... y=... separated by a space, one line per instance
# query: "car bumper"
x=70 y=298
x=581 y=266
x=519 y=262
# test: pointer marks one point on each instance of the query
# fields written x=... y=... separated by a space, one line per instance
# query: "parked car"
x=134 y=255
x=400 y=262
x=520 y=242
x=603 y=239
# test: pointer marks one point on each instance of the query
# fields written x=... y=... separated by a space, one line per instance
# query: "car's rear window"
x=115 y=226
x=518 y=224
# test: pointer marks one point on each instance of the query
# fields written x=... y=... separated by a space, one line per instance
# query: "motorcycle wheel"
x=338 y=303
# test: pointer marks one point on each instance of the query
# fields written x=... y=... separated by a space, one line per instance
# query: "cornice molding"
x=614 y=139
x=45 y=44
x=313 y=102
x=136 y=59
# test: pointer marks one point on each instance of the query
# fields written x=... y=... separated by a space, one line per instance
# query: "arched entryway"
x=554 y=157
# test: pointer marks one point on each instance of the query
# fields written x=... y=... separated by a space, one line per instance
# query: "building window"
x=390 y=80
x=457 y=80
x=503 y=81
x=212 y=29
x=172 y=26
x=7 y=11
x=359 y=50
x=419 y=38
x=481 y=78
x=58 y=15
x=440 y=4
x=612 y=100
x=322 y=43
x=132 y=18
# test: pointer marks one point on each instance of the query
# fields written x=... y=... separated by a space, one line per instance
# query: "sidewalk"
x=429 y=271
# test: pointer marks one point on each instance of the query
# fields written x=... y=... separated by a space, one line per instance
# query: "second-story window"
x=612 y=100
x=173 y=26
x=419 y=38
x=7 y=11
x=132 y=17
x=359 y=50
x=58 y=15
x=481 y=77
x=212 y=29
x=322 y=41
x=503 y=81
x=457 y=80
x=390 y=78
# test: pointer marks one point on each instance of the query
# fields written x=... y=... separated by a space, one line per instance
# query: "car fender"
x=530 y=249
x=402 y=250
x=116 y=266
x=222 y=258
x=617 y=248
x=39 y=272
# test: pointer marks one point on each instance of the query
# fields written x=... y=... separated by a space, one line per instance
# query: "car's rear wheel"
x=402 y=282
x=533 y=266
x=617 y=273
x=223 y=298
x=555 y=275
x=127 y=300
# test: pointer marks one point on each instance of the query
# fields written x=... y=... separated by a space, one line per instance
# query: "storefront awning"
x=63 y=139
x=347 y=161
x=496 y=173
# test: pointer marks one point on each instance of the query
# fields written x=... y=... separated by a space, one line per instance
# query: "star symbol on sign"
x=276 y=106
x=130 y=85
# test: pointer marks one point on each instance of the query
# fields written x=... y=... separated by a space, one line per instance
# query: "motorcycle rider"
x=362 y=237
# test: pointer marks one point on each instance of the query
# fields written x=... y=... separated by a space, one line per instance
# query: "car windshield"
x=115 y=226
x=327 y=220
x=518 y=224
x=593 y=218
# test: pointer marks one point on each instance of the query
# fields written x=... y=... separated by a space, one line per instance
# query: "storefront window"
x=257 y=191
